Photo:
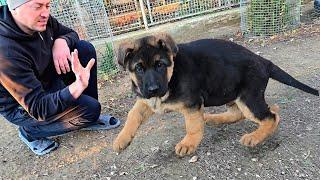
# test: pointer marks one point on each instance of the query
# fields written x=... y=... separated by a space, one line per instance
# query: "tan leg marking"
x=137 y=115
x=266 y=126
x=232 y=115
x=194 y=128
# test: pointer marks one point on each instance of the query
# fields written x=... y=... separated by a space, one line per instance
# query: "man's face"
x=33 y=15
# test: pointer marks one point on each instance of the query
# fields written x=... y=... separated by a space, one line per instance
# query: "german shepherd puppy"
x=188 y=77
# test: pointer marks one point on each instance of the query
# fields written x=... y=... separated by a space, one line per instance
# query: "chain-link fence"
x=161 y=11
x=127 y=15
x=269 y=17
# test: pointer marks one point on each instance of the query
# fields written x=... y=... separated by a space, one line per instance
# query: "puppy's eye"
x=139 y=68
x=160 y=64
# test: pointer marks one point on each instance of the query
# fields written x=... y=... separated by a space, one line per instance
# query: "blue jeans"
x=85 y=112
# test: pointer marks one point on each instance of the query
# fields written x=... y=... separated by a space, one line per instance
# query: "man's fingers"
x=90 y=64
x=75 y=61
x=57 y=67
x=75 y=52
x=62 y=66
x=66 y=65
x=69 y=57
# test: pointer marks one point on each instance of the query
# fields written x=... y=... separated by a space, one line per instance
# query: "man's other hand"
x=61 y=54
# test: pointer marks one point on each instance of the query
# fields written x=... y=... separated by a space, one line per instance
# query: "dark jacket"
x=27 y=68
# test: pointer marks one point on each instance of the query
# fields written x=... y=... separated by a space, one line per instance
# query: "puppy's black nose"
x=153 y=89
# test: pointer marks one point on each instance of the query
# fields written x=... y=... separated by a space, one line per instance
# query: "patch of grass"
x=107 y=67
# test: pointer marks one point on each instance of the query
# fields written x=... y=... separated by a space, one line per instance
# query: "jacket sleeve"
x=61 y=31
x=19 y=79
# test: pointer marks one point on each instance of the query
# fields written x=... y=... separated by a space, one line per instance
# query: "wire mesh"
x=124 y=15
x=161 y=11
x=269 y=17
x=89 y=19
x=2 y=2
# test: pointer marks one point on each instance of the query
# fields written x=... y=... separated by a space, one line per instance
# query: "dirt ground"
x=293 y=152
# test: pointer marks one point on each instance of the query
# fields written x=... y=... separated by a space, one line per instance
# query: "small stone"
x=154 y=165
x=193 y=159
x=113 y=166
x=194 y=178
x=254 y=159
x=123 y=173
x=155 y=149
x=208 y=153
x=239 y=169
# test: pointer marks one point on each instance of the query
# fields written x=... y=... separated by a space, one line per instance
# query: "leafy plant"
x=107 y=66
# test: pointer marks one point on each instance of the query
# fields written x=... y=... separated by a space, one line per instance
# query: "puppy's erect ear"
x=165 y=41
x=125 y=52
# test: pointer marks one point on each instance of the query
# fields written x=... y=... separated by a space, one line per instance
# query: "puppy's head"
x=150 y=63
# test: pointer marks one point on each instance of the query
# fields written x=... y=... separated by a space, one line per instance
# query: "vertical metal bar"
x=150 y=13
x=137 y=8
x=143 y=15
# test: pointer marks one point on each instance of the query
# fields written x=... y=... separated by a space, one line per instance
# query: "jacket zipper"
x=40 y=35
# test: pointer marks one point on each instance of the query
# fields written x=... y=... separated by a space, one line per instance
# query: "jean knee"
x=86 y=51
x=92 y=107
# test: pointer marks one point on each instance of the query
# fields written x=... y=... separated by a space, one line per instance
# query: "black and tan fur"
x=188 y=77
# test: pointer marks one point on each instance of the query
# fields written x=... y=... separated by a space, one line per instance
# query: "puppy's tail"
x=278 y=74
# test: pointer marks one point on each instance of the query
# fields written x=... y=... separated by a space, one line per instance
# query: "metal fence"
x=101 y=19
x=91 y=18
x=127 y=15
x=269 y=17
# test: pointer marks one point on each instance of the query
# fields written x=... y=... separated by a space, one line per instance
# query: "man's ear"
x=164 y=40
x=125 y=51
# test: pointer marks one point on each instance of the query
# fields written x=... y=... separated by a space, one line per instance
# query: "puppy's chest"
x=161 y=105
x=157 y=105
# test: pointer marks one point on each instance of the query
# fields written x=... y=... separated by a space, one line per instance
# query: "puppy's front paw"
x=186 y=147
x=121 y=142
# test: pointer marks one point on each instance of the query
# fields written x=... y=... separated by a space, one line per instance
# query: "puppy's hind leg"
x=257 y=110
x=232 y=115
